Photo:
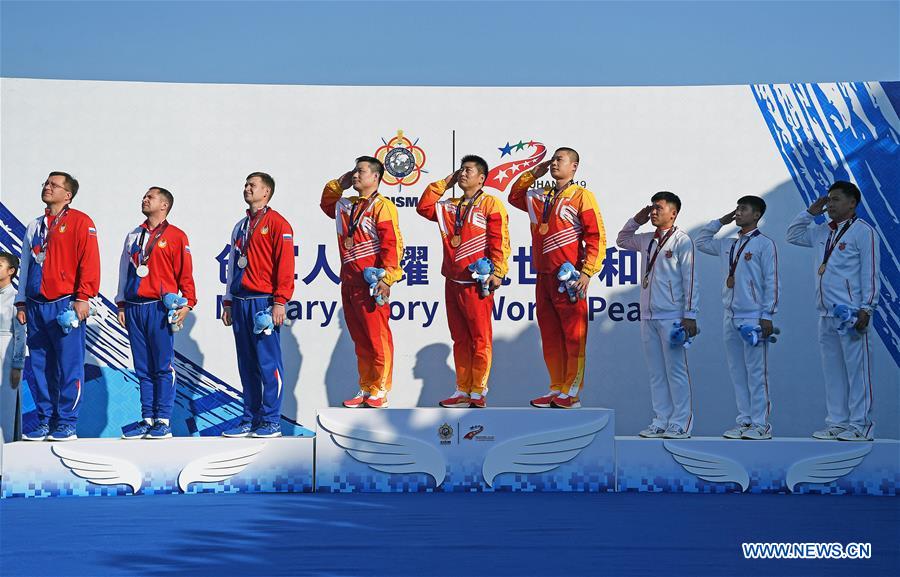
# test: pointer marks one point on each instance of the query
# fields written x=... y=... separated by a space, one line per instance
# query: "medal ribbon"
x=143 y=256
x=45 y=232
x=732 y=258
x=462 y=217
x=247 y=231
x=659 y=245
x=356 y=217
x=833 y=240
x=550 y=200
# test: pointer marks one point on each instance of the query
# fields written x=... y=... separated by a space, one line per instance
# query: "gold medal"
x=822 y=268
x=729 y=282
x=646 y=282
x=455 y=240
x=543 y=228
x=348 y=243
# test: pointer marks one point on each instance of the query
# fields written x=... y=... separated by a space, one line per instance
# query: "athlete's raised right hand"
x=346 y=180
x=541 y=169
x=643 y=215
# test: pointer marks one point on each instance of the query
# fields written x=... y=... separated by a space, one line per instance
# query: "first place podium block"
x=465 y=450
x=88 y=467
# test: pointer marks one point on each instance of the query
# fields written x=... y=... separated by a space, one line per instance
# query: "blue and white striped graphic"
x=847 y=131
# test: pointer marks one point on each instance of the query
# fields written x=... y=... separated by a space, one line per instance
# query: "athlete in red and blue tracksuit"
x=60 y=266
x=260 y=275
x=156 y=261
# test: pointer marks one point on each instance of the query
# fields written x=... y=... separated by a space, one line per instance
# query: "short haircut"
x=848 y=188
x=573 y=154
x=668 y=197
x=374 y=164
x=267 y=180
x=478 y=161
x=754 y=202
x=166 y=195
x=71 y=183
x=11 y=260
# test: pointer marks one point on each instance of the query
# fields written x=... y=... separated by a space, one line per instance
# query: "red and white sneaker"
x=377 y=402
x=559 y=402
x=356 y=402
x=544 y=401
x=478 y=403
x=458 y=400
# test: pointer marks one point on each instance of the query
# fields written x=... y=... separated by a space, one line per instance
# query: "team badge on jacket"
x=162 y=243
x=668 y=254
x=265 y=230
x=842 y=246
x=748 y=256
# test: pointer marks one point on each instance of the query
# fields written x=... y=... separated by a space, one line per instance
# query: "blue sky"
x=452 y=43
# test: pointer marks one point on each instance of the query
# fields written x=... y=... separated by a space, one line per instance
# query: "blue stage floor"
x=439 y=534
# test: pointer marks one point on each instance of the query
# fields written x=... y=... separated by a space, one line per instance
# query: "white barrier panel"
x=453 y=450
x=88 y=467
x=786 y=465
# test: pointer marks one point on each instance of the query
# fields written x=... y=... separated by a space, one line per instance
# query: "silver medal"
x=142 y=271
x=39 y=257
x=242 y=262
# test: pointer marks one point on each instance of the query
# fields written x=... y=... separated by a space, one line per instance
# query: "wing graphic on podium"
x=387 y=452
x=540 y=452
x=218 y=467
x=825 y=468
x=709 y=467
x=100 y=469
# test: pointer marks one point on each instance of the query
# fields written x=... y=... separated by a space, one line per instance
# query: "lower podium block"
x=89 y=467
x=465 y=450
x=780 y=465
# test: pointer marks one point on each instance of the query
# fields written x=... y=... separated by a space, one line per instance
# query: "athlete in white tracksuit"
x=669 y=295
x=750 y=292
x=846 y=269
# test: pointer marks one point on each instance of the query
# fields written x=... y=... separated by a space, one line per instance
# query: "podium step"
x=87 y=467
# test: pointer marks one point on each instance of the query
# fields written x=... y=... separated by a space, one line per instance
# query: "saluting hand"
x=450 y=181
x=818 y=207
x=727 y=218
x=541 y=169
x=346 y=180
x=643 y=215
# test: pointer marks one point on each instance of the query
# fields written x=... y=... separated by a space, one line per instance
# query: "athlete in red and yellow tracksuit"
x=573 y=232
x=484 y=233
x=375 y=242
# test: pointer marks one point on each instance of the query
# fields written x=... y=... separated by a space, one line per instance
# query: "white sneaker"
x=674 y=432
x=852 y=434
x=652 y=432
x=736 y=432
x=758 y=433
x=829 y=434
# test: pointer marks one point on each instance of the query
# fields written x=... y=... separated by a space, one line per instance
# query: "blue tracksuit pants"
x=259 y=362
x=153 y=351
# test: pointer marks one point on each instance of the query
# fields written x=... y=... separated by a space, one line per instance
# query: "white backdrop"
x=709 y=145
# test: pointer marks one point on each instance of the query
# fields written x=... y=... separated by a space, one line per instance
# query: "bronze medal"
x=455 y=240
x=822 y=269
x=543 y=228
x=348 y=243
x=729 y=282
